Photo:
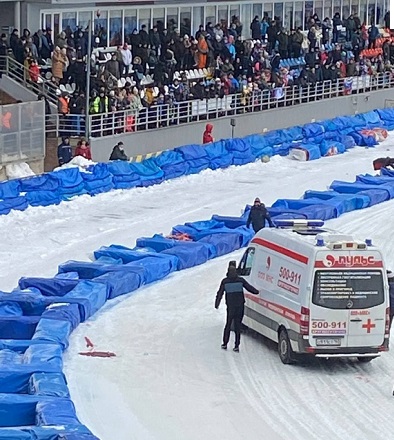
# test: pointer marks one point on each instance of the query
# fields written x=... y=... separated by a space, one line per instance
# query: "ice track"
x=170 y=380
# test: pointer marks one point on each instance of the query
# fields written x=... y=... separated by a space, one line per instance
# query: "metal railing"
x=19 y=73
x=158 y=116
x=22 y=134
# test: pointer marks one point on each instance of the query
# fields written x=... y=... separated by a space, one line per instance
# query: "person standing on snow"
x=64 y=151
x=233 y=285
x=258 y=215
x=207 y=137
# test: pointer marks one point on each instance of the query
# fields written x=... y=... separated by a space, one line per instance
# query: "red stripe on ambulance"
x=276 y=308
x=281 y=250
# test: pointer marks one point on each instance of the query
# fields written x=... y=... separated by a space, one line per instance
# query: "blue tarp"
x=331 y=147
x=353 y=188
x=48 y=384
x=314 y=131
x=18 y=327
x=43 y=182
x=128 y=255
x=223 y=243
x=55 y=412
x=123 y=175
x=9 y=308
x=172 y=163
x=70 y=182
x=19 y=203
x=189 y=254
x=219 y=156
x=312 y=150
x=39 y=354
x=49 y=286
x=64 y=312
x=148 y=171
x=53 y=331
x=354 y=201
x=9 y=189
x=43 y=198
x=320 y=208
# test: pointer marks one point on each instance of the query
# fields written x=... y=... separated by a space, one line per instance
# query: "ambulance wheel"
x=365 y=360
x=284 y=348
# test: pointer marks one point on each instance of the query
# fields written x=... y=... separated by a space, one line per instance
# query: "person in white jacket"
x=127 y=58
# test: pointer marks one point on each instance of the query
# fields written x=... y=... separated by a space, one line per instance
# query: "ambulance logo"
x=348 y=260
x=268 y=263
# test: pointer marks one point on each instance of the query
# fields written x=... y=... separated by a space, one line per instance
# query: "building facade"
x=118 y=18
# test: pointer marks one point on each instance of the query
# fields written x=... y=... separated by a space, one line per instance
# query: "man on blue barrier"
x=258 y=215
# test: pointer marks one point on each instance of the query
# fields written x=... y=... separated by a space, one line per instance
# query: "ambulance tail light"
x=304 y=321
x=387 y=326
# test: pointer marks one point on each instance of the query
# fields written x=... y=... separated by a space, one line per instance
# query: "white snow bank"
x=77 y=161
x=18 y=170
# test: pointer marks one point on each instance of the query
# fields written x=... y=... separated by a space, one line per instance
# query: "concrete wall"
x=16 y=90
x=250 y=123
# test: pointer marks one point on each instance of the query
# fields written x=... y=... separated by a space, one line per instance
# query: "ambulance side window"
x=245 y=266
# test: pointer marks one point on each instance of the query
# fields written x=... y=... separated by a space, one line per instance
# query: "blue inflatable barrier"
x=57 y=286
x=356 y=201
x=353 y=188
x=64 y=312
x=148 y=171
x=190 y=254
x=314 y=131
x=70 y=182
x=219 y=156
x=48 y=384
x=172 y=163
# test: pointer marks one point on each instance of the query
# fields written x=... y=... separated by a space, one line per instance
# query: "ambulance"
x=322 y=293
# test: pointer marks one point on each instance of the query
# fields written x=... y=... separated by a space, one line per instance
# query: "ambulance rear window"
x=348 y=289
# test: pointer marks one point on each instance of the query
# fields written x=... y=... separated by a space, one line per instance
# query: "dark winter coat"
x=257 y=217
x=233 y=285
x=64 y=153
x=118 y=154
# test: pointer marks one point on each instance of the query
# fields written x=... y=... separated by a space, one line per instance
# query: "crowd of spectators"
x=152 y=67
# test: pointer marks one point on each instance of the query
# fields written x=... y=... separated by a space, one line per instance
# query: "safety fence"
x=38 y=317
x=21 y=74
x=256 y=100
x=22 y=132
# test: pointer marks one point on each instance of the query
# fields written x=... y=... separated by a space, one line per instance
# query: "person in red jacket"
x=83 y=150
x=207 y=137
x=34 y=71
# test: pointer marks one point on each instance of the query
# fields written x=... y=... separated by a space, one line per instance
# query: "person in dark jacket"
x=258 y=215
x=64 y=151
x=233 y=286
x=383 y=162
x=118 y=152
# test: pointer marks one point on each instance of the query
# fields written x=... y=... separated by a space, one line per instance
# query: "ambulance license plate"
x=328 y=341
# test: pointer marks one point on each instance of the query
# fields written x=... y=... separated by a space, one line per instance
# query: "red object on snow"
x=89 y=343
x=102 y=354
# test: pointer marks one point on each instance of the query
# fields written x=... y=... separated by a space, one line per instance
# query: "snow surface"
x=76 y=162
x=18 y=170
x=170 y=379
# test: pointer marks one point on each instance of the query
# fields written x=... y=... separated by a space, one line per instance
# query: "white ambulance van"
x=321 y=292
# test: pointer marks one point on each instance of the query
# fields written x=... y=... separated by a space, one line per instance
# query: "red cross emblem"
x=369 y=325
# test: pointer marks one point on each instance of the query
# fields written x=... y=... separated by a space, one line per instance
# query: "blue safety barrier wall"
x=37 y=318
x=315 y=140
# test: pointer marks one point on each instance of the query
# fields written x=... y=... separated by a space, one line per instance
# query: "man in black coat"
x=258 y=215
x=233 y=285
x=118 y=152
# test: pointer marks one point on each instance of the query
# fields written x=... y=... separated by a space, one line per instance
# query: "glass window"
x=288 y=22
x=319 y=9
x=223 y=14
x=268 y=10
x=354 y=7
x=101 y=27
x=327 y=10
x=83 y=19
x=278 y=11
x=246 y=18
x=115 y=28
x=257 y=10
x=308 y=11
x=56 y=24
x=69 y=21
x=185 y=18
x=158 y=17
x=345 y=9
x=234 y=10
x=363 y=11
x=198 y=18
x=337 y=7
x=337 y=289
x=210 y=15
x=130 y=21
x=48 y=21
x=245 y=266
x=172 y=18
x=144 y=18
x=380 y=11
x=299 y=15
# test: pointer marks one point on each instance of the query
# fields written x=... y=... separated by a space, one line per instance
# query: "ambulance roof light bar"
x=298 y=223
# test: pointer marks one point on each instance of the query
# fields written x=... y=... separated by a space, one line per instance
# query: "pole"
x=88 y=61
